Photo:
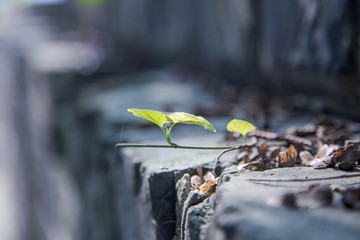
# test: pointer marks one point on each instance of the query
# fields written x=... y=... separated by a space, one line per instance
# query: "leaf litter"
x=327 y=144
x=324 y=143
x=311 y=145
x=204 y=183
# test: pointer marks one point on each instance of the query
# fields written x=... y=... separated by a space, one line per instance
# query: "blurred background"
x=70 y=69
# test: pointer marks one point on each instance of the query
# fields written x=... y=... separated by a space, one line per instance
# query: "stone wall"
x=299 y=47
x=320 y=36
x=37 y=197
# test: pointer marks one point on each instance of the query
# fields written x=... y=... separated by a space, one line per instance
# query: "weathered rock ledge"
x=246 y=205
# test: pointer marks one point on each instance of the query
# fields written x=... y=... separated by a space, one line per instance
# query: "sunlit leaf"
x=158 y=118
x=166 y=122
x=182 y=117
x=240 y=126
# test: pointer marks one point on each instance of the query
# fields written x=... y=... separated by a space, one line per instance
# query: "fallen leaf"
x=209 y=187
x=346 y=157
x=260 y=165
x=287 y=158
x=291 y=154
x=263 y=150
x=322 y=159
x=282 y=159
x=203 y=182
x=306 y=158
x=275 y=153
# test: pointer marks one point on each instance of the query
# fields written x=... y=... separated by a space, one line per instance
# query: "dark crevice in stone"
x=137 y=178
x=163 y=197
x=158 y=192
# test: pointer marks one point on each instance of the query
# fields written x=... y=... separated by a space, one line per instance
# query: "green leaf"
x=166 y=122
x=240 y=126
x=182 y=117
x=158 y=118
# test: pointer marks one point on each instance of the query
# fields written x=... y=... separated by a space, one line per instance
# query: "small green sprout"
x=167 y=121
x=240 y=126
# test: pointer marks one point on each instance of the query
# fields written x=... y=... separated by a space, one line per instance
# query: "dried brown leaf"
x=275 y=153
x=346 y=157
x=287 y=158
x=322 y=159
x=282 y=159
x=247 y=159
x=291 y=154
x=260 y=165
x=209 y=187
x=263 y=150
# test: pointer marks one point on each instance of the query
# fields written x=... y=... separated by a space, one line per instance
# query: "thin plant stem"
x=229 y=150
x=136 y=145
x=175 y=146
x=219 y=156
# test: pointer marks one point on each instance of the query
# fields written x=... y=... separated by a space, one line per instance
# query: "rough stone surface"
x=195 y=197
x=113 y=195
x=97 y=115
x=242 y=212
x=238 y=211
x=199 y=218
x=183 y=189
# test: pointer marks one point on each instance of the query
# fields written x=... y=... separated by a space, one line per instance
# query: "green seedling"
x=240 y=126
x=167 y=121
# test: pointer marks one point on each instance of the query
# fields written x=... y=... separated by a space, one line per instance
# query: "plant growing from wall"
x=240 y=126
x=167 y=121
